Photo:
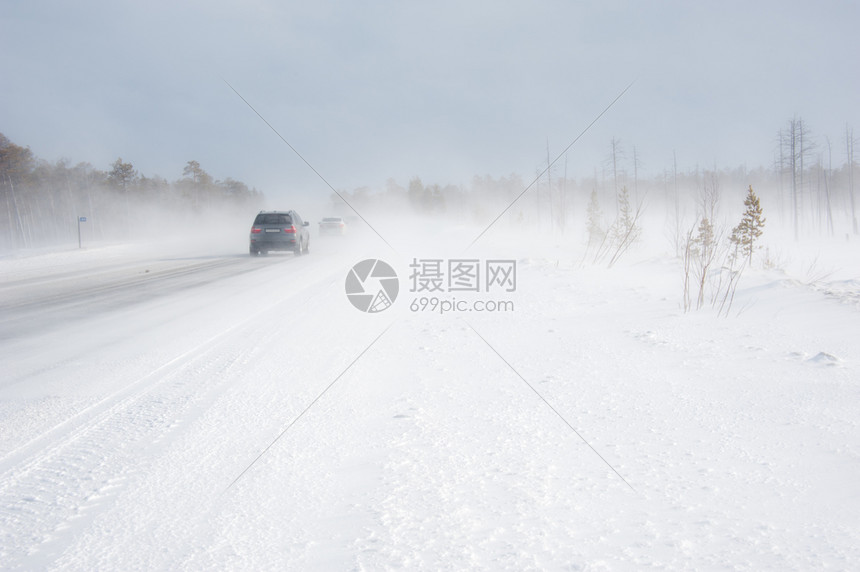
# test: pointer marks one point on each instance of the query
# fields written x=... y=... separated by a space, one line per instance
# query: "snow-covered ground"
x=172 y=407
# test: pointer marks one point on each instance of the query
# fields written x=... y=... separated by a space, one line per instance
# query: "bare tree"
x=562 y=207
x=616 y=155
x=849 y=144
x=797 y=145
x=636 y=164
x=828 y=176
x=709 y=198
x=16 y=165
x=549 y=167
x=780 y=167
x=596 y=232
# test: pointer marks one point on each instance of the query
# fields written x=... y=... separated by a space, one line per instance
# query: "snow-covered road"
x=217 y=411
x=108 y=356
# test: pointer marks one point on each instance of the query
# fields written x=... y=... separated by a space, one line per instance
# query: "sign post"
x=80 y=220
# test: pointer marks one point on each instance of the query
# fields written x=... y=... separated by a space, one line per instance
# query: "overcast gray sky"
x=441 y=90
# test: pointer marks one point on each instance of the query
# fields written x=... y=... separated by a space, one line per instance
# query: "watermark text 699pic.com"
x=446 y=306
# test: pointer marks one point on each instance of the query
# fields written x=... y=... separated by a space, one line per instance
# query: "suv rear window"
x=273 y=218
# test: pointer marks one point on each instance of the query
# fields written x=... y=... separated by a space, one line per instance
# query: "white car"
x=333 y=225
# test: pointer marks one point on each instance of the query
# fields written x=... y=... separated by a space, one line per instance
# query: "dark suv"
x=279 y=230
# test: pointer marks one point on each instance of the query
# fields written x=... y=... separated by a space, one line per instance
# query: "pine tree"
x=121 y=175
x=703 y=251
x=626 y=224
x=704 y=242
x=745 y=235
x=624 y=231
x=596 y=234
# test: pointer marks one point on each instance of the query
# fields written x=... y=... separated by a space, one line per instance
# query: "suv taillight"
x=291 y=229
x=255 y=230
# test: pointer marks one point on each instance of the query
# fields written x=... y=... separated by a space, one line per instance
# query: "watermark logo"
x=462 y=275
x=372 y=285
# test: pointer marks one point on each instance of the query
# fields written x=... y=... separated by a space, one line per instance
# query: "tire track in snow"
x=69 y=429
x=175 y=503
x=63 y=475
x=54 y=483
x=121 y=398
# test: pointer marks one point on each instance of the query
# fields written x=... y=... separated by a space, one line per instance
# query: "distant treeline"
x=41 y=202
x=809 y=188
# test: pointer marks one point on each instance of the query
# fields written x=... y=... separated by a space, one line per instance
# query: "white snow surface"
x=176 y=406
